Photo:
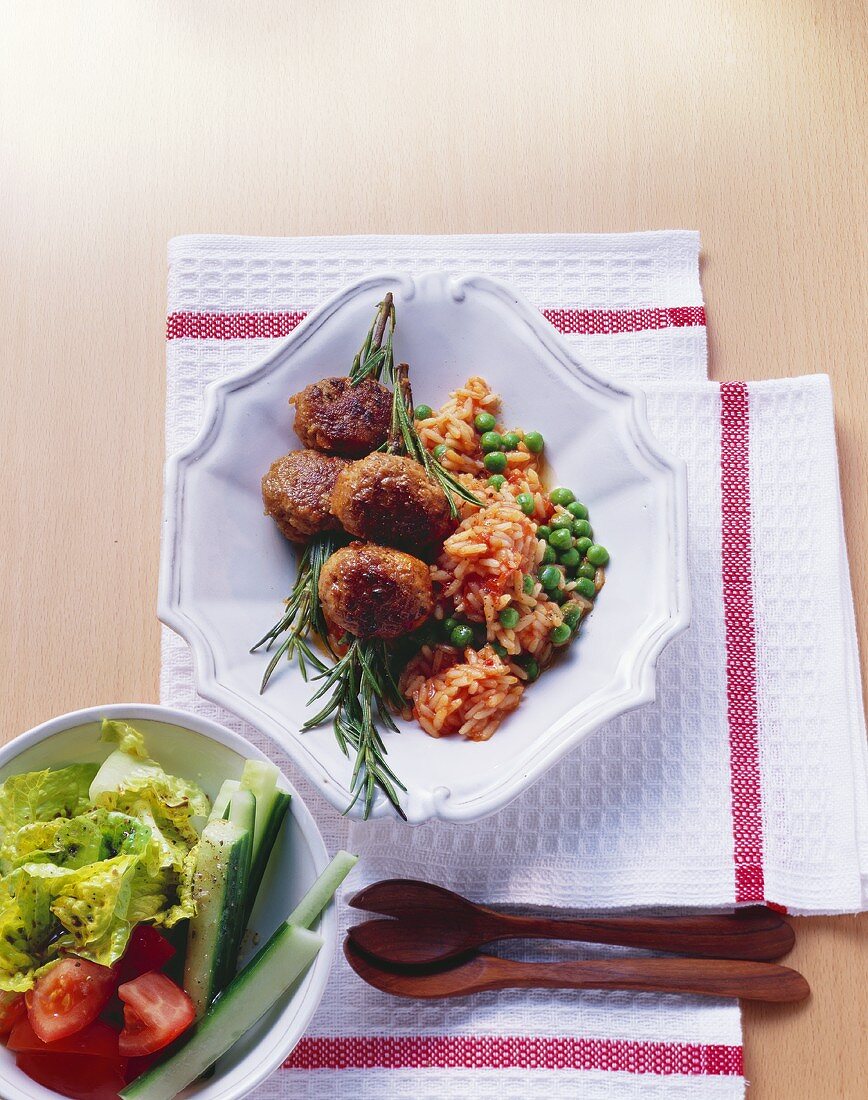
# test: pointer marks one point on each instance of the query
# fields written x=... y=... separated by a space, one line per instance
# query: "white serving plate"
x=207 y=753
x=226 y=568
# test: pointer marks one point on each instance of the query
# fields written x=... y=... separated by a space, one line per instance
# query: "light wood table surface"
x=123 y=124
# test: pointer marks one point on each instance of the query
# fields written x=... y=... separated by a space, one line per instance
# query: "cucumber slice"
x=220 y=887
x=261 y=984
x=242 y=811
x=272 y=971
x=260 y=778
x=270 y=832
x=221 y=802
x=323 y=890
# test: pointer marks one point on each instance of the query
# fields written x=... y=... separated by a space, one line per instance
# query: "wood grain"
x=434 y=925
x=750 y=981
x=122 y=124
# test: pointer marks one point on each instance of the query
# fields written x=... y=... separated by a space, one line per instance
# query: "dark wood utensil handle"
x=755 y=933
x=751 y=981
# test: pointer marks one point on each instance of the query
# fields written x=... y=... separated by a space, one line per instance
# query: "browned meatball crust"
x=375 y=592
x=334 y=416
x=296 y=492
x=389 y=499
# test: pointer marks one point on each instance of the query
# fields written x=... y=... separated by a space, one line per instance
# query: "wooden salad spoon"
x=434 y=925
x=752 y=981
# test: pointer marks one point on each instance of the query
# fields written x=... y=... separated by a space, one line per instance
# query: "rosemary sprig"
x=359 y=683
x=374 y=360
x=404 y=439
x=303 y=612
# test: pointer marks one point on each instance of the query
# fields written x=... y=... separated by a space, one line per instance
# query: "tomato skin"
x=68 y=997
x=97 y=1040
x=12 y=1008
x=156 y=1011
x=147 y=950
x=74 y=1075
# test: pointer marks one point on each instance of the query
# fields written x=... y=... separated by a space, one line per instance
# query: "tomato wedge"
x=12 y=1008
x=68 y=997
x=97 y=1039
x=146 y=951
x=75 y=1075
x=156 y=1011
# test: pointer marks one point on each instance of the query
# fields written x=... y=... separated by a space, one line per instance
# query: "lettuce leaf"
x=44 y=795
x=77 y=841
x=26 y=928
x=126 y=737
x=86 y=853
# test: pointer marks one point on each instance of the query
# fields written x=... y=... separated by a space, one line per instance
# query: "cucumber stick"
x=242 y=812
x=260 y=778
x=268 y=975
x=284 y=958
x=220 y=888
x=221 y=802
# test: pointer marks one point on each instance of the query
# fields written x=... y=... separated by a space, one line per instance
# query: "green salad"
x=89 y=851
x=125 y=897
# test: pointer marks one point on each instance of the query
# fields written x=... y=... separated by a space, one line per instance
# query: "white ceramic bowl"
x=226 y=568
x=201 y=750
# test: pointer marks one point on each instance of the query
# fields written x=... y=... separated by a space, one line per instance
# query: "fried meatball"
x=296 y=493
x=375 y=592
x=334 y=416
x=391 y=500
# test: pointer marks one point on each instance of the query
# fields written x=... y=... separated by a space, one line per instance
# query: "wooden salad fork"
x=430 y=925
x=753 y=981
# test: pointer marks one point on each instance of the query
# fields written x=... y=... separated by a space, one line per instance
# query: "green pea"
x=532 y=669
x=550 y=576
x=534 y=442
x=449 y=625
x=586 y=587
x=581 y=528
x=527 y=584
x=509 y=618
x=526 y=502
x=561 y=539
x=490 y=441
x=484 y=422
x=582 y=545
x=422 y=412
x=561 y=520
x=499 y=649
x=495 y=462
x=561 y=634
x=597 y=555
x=557 y=595
x=543 y=532
x=573 y=615
x=549 y=555
x=509 y=441
x=570 y=558
x=496 y=481
x=587 y=571
x=562 y=496
x=462 y=636
x=439 y=451
x=578 y=510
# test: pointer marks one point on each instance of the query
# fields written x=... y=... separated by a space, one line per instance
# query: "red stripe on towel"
x=193 y=325
x=741 y=687
x=498 y=1052
x=605 y=322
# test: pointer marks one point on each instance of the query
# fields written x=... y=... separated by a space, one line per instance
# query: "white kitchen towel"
x=746 y=781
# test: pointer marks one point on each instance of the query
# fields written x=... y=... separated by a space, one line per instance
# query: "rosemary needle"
x=359 y=680
x=303 y=612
